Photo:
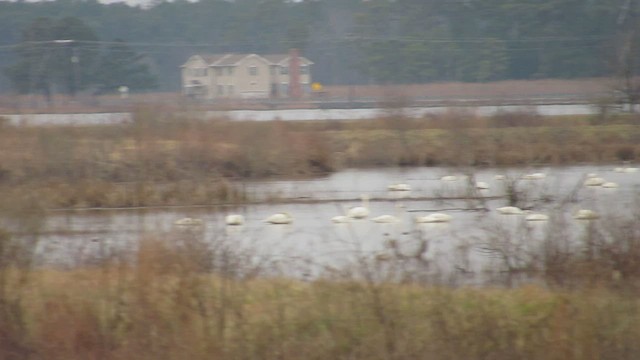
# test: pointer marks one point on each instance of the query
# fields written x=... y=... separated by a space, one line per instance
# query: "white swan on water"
x=360 y=212
x=449 y=178
x=481 y=185
x=434 y=218
x=594 y=181
x=399 y=187
x=585 y=214
x=340 y=219
x=280 y=218
x=537 y=217
x=626 y=169
x=510 y=210
x=534 y=176
x=388 y=219
x=234 y=219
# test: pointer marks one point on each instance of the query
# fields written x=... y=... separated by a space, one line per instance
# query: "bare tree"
x=627 y=62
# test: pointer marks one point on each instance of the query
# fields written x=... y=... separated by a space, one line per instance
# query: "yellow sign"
x=316 y=86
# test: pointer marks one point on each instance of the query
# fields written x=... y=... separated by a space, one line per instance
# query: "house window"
x=284 y=70
x=304 y=69
x=199 y=72
x=253 y=70
x=220 y=89
x=218 y=71
x=229 y=70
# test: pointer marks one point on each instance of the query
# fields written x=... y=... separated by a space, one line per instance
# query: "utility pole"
x=75 y=61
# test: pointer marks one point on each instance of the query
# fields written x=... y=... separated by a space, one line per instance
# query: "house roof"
x=276 y=58
x=212 y=58
x=284 y=58
x=230 y=59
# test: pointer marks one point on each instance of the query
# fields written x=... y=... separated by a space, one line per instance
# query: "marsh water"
x=312 y=244
x=299 y=114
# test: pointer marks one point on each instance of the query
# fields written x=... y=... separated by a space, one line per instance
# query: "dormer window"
x=253 y=70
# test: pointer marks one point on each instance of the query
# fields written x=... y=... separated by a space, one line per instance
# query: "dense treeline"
x=356 y=41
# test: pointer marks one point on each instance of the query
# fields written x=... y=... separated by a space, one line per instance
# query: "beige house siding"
x=240 y=76
x=195 y=77
x=252 y=77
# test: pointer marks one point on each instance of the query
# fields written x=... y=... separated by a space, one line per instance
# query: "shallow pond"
x=473 y=244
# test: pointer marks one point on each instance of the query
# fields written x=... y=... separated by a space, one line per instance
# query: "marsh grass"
x=183 y=294
x=183 y=297
x=155 y=158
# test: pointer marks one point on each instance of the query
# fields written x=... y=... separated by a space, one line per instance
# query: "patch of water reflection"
x=474 y=247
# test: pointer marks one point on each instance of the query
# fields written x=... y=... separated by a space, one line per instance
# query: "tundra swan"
x=360 y=212
x=585 y=214
x=280 y=218
x=594 y=181
x=500 y=177
x=340 y=219
x=481 y=185
x=534 y=176
x=188 y=221
x=388 y=219
x=609 y=185
x=399 y=187
x=234 y=219
x=510 y=210
x=434 y=218
x=537 y=217
x=626 y=169
x=449 y=178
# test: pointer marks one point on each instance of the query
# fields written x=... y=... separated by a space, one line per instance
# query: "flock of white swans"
x=362 y=211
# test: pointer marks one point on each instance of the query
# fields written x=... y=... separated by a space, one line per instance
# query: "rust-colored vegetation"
x=180 y=297
x=177 y=158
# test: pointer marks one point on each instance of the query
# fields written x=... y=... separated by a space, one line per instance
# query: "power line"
x=350 y=38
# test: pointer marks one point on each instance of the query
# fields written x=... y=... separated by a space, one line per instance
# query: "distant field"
x=495 y=91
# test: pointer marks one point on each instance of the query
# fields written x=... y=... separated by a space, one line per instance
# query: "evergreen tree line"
x=350 y=41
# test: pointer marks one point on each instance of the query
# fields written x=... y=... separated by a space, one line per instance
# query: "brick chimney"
x=295 y=90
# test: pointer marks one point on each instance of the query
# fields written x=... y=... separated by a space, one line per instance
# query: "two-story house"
x=245 y=76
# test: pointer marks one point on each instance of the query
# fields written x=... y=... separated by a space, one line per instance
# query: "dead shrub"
x=625 y=153
x=515 y=119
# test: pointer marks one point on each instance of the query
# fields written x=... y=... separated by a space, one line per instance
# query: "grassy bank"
x=170 y=159
x=180 y=302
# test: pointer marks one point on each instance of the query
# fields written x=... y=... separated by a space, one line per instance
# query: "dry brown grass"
x=180 y=299
x=163 y=158
x=493 y=90
x=179 y=294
